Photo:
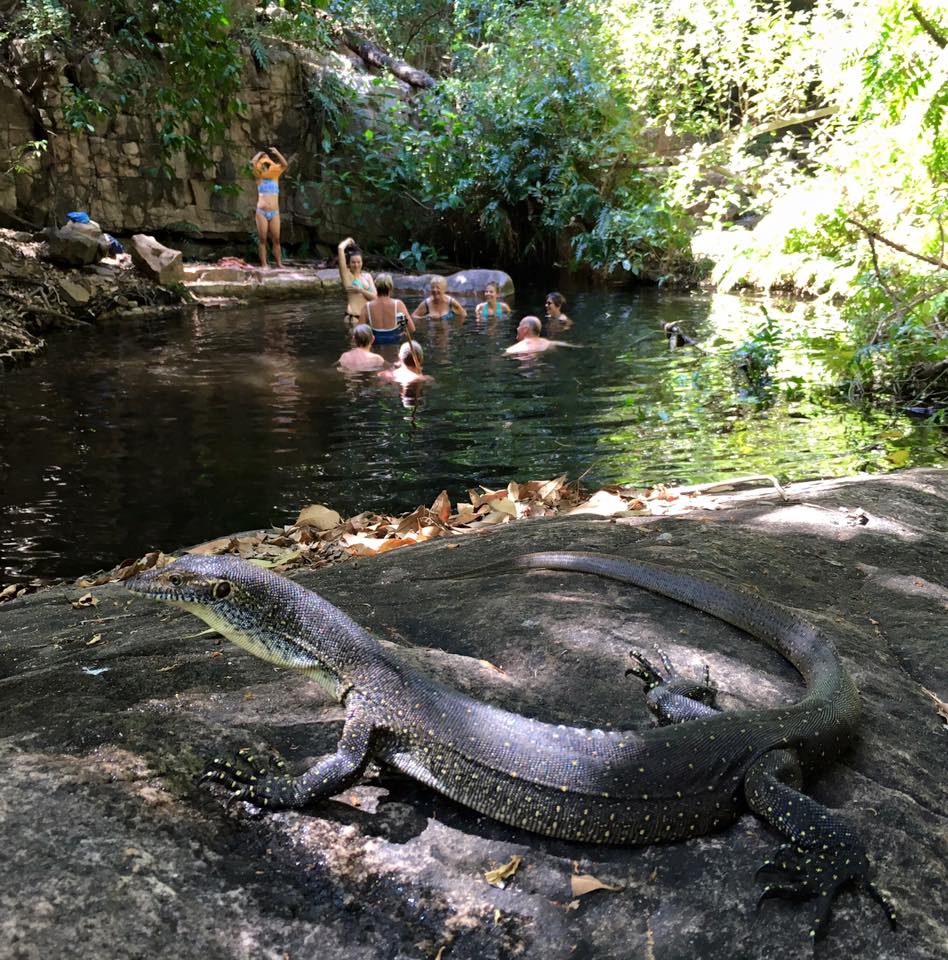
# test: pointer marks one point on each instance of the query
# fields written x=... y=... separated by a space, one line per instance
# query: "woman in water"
x=491 y=308
x=267 y=173
x=439 y=306
x=357 y=283
x=386 y=317
x=555 y=318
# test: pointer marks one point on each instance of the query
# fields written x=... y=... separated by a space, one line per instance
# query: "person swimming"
x=529 y=339
x=360 y=358
x=555 y=318
x=387 y=317
x=491 y=308
x=439 y=306
x=267 y=173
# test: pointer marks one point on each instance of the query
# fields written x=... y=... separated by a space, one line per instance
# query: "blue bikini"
x=268 y=186
x=389 y=334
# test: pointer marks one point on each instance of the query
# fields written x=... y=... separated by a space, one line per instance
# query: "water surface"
x=165 y=433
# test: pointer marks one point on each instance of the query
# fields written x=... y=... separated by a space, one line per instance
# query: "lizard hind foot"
x=672 y=697
x=819 y=872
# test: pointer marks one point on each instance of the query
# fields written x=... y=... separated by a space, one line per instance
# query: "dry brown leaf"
x=96 y=638
x=941 y=708
x=602 y=504
x=572 y=905
x=504 y=505
x=441 y=508
x=583 y=883
x=499 y=876
x=487 y=497
x=318 y=516
x=491 y=666
x=213 y=547
x=86 y=600
x=396 y=543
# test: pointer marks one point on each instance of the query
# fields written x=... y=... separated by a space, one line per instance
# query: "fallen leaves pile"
x=320 y=536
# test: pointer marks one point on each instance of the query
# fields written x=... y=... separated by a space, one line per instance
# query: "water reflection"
x=159 y=434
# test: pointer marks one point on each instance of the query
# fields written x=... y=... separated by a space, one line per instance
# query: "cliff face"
x=111 y=171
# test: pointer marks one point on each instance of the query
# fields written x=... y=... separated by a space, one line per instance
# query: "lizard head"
x=195 y=580
x=250 y=606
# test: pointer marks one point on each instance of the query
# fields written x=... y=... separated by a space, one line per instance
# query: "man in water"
x=529 y=339
x=361 y=358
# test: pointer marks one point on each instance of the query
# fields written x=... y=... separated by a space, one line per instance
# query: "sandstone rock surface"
x=155 y=260
x=75 y=244
x=111 y=848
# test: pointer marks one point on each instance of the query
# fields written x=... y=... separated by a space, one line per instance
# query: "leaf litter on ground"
x=320 y=536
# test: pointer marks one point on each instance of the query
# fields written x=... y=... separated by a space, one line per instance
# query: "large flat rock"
x=111 y=850
x=272 y=283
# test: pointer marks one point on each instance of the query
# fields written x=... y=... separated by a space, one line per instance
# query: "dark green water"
x=161 y=434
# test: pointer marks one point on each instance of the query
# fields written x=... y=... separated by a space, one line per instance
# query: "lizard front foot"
x=819 y=872
x=261 y=782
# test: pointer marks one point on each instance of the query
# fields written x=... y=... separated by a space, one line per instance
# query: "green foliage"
x=23 y=157
x=418 y=258
x=759 y=354
x=39 y=24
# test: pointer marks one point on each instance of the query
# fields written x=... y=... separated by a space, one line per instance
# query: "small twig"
x=904 y=308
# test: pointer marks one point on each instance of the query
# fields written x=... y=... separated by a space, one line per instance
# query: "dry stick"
x=43 y=311
x=411 y=346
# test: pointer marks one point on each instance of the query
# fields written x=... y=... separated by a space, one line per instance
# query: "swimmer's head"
x=362 y=335
x=492 y=288
x=405 y=355
x=556 y=300
x=354 y=257
x=438 y=283
x=530 y=326
x=384 y=284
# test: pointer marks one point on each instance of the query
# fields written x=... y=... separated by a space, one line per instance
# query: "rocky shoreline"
x=38 y=296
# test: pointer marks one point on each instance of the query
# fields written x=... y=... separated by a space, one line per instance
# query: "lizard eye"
x=174 y=580
x=221 y=590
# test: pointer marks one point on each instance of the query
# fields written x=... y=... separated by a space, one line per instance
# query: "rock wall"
x=111 y=171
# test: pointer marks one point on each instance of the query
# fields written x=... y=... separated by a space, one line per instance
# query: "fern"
x=259 y=52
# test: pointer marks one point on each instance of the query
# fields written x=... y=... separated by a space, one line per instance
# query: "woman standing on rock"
x=358 y=284
x=267 y=173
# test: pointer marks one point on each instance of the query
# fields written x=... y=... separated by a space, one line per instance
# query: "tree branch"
x=809 y=117
x=928 y=26
x=875 y=235
x=377 y=57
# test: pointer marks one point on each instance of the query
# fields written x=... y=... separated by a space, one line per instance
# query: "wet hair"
x=494 y=284
x=405 y=354
x=352 y=251
x=384 y=284
x=362 y=335
x=557 y=299
x=435 y=280
x=532 y=324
